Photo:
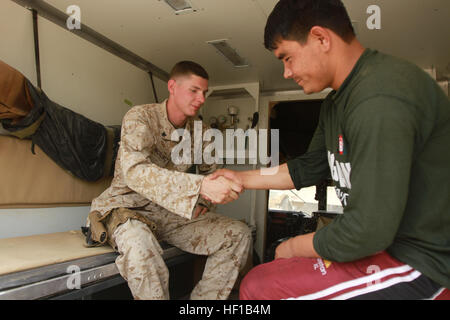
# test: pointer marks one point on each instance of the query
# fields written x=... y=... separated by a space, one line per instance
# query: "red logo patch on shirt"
x=341 y=144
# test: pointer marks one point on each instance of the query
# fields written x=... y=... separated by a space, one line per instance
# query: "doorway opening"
x=289 y=211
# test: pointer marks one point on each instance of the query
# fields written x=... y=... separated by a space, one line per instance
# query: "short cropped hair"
x=186 y=68
x=293 y=20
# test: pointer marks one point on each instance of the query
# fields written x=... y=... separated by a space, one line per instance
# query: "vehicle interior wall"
x=98 y=85
x=77 y=75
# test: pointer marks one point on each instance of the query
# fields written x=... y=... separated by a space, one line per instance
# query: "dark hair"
x=185 y=68
x=293 y=19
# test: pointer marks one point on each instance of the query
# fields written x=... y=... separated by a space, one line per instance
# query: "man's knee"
x=239 y=234
x=136 y=237
x=240 y=227
x=253 y=286
x=272 y=281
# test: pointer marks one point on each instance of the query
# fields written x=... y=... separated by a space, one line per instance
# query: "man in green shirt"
x=384 y=136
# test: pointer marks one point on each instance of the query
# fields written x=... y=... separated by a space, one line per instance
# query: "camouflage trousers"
x=225 y=241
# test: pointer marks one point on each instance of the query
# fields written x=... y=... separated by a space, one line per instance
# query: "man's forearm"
x=299 y=246
x=303 y=246
x=267 y=178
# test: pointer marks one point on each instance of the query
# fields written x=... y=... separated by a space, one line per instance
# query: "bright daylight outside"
x=302 y=200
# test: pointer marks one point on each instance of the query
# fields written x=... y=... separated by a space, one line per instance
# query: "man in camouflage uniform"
x=152 y=199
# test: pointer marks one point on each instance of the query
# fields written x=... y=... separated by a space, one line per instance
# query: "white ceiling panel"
x=417 y=30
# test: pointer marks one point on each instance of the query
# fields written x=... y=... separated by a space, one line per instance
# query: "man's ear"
x=170 y=85
x=322 y=35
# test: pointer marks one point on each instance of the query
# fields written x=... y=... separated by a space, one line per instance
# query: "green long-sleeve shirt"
x=385 y=136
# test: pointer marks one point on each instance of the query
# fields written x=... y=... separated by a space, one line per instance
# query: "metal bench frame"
x=96 y=273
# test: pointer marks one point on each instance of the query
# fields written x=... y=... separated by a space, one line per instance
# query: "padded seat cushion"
x=23 y=253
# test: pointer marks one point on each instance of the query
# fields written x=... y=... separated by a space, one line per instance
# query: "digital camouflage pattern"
x=225 y=241
x=144 y=171
x=146 y=180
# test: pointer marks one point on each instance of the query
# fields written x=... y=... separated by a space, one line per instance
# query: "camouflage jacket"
x=145 y=175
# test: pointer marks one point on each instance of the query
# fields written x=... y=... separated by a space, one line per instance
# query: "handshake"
x=222 y=186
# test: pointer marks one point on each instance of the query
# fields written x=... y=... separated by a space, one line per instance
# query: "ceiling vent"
x=181 y=6
x=229 y=53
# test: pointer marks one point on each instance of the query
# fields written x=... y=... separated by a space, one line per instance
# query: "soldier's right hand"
x=230 y=175
x=220 y=190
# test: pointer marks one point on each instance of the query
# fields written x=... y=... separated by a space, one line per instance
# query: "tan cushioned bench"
x=30 y=267
x=34 y=180
x=24 y=253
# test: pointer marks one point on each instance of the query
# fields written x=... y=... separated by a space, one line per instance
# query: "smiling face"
x=187 y=95
x=306 y=64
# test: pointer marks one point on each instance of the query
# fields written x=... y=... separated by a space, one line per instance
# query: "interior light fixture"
x=229 y=53
x=181 y=6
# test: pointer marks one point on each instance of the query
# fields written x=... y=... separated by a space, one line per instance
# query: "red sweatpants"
x=377 y=277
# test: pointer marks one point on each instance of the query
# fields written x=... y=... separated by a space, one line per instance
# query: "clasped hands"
x=222 y=186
